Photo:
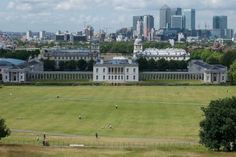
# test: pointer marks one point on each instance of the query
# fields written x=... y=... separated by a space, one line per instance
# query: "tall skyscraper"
x=42 y=35
x=135 y=20
x=165 y=17
x=189 y=19
x=177 y=22
x=139 y=28
x=220 y=22
x=29 y=35
x=148 y=25
x=220 y=28
x=176 y=11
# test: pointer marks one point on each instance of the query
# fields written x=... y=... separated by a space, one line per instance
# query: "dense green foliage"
x=72 y=65
x=232 y=73
x=213 y=57
x=206 y=55
x=19 y=54
x=49 y=65
x=218 y=129
x=228 y=58
x=161 y=65
x=4 y=131
x=117 y=47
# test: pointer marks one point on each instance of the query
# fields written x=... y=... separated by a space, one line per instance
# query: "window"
x=122 y=78
x=104 y=77
x=115 y=77
x=134 y=78
x=134 y=70
x=97 y=77
x=127 y=77
x=118 y=77
x=21 y=77
x=223 y=78
x=97 y=70
x=109 y=77
x=104 y=70
x=127 y=70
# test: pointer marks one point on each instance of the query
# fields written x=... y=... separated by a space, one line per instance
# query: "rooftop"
x=208 y=67
x=117 y=61
x=164 y=52
x=11 y=62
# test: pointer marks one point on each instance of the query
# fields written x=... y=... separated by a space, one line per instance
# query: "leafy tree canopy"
x=218 y=129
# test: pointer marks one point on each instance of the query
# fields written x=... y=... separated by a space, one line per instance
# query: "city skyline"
x=109 y=15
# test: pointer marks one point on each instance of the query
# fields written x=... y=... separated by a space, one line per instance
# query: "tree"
x=90 y=65
x=228 y=58
x=162 y=65
x=218 y=129
x=82 y=64
x=143 y=64
x=232 y=73
x=4 y=131
x=49 y=65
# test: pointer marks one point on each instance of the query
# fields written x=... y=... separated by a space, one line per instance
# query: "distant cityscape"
x=174 y=23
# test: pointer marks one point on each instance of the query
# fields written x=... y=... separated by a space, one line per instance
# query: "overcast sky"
x=72 y=15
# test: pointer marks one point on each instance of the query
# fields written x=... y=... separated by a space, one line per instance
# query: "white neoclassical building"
x=213 y=74
x=16 y=71
x=157 y=54
x=117 y=70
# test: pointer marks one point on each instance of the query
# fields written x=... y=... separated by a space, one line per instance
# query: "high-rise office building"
x=42 y=35
x=189 y=19
x=29 y=35
x=220 y=22
x=148 y=25
x=165 y=17
x=220 y=28
x=176 y=11
x=135 y=20
x=177 y=22
x=139 y=28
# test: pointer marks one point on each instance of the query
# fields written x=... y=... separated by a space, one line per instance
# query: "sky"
x=109 y=15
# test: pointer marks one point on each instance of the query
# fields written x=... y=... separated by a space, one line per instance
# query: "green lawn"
x=145 y=114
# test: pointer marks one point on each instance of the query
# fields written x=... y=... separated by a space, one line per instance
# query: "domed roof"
x=138 y=41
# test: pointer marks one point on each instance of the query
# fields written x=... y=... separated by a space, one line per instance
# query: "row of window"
x=71 y=58
x=115 y=70
x=116 y=78
x=167 y=58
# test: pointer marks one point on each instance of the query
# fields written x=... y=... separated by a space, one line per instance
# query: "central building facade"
x=117 y=70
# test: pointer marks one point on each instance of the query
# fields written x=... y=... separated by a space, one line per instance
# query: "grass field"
x=145 y=115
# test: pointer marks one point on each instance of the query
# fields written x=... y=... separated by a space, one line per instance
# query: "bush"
x=218 y=129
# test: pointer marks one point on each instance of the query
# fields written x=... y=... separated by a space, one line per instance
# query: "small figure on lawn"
x=80 y=117
x=110 y=126
x=96 y=135
x=117 y=107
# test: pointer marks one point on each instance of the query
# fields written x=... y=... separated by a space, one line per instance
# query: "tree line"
x=161 y=65
x=128 y=47
x=80 y=65
x=18 y=54
x=213 y=57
